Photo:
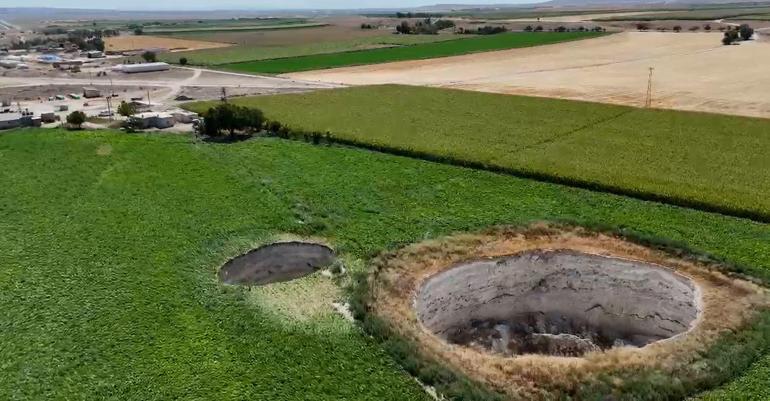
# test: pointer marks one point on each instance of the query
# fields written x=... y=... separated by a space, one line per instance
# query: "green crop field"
x=709 y=161
x=276 y=44
x=110 y=243
x=422 y=51
x=757 y=17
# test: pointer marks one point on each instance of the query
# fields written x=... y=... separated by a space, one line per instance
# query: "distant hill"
x=587 y=4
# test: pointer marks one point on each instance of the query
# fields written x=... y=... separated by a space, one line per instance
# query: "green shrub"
x=233 y=119
x=76 y=119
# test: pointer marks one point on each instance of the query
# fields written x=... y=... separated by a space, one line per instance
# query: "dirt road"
x=136 y=43
x=692 y=71
x=174 y=79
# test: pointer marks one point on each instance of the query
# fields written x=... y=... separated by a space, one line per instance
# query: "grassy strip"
x=751 y=386
x=417 y=52
x=728 y=358
x=703 y=161
x=758 y=17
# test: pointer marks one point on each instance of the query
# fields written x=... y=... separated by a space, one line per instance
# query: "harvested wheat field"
x=130 y=43
x=690 y=72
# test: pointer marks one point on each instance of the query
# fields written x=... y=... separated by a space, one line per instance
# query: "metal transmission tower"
x=648 y=100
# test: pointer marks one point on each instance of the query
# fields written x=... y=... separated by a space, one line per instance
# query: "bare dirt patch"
x=212 y=92
x=26 y=93
x=277 y=262
x=624 y=277
x=688 y=75
x=340 y=29
x=135 y=43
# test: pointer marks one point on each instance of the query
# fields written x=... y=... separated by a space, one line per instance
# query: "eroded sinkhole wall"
x=277 y=262
x=562 y=303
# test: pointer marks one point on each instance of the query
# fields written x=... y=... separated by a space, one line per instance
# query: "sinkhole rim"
x=729 y=305
x=277 y=262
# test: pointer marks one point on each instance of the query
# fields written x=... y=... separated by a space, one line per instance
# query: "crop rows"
x=707 y=161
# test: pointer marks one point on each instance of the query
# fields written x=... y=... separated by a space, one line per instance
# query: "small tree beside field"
x=231 y=119
x=746 y=31
x=126 y=109
x=731 y=36
x=150 y=57
x=76 y=119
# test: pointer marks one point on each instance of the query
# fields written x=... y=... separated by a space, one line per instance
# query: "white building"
x=144 y=67
x=153 y=120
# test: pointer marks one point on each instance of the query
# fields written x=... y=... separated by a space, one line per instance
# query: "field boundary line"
x=318 y=138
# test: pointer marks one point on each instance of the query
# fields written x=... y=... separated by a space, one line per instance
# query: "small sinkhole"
x=283 y=261
x=560 y=303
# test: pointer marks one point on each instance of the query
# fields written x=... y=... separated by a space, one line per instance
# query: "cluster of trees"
x=149 y=56
x=82 y=44
x=418 y=15
x=137 y=28
x=84 y=39
x=732 y=35
x=424 y=27
x=694 y=28
x=84 y=33
x=368 y=26
x=562 y=28
x=484 y=30
x=88 y=44
x=232 y=120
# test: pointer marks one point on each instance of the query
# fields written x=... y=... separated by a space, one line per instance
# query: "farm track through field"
x=564 y=135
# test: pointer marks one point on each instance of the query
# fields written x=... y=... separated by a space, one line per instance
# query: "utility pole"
x=109 y=107
x=648 y=101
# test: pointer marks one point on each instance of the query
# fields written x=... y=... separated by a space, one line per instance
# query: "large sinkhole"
x=277 y=262
x=562 y=303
